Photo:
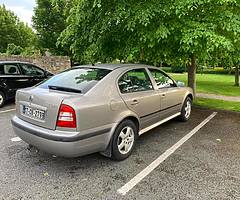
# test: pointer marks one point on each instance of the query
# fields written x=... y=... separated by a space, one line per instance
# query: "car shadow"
x=148 y=146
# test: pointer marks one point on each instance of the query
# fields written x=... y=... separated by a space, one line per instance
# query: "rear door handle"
x=163 y=95
x=134 y=102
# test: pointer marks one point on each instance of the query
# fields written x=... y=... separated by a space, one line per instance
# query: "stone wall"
x=53 y=64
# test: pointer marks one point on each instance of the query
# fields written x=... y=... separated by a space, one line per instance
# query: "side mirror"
x=180 y=84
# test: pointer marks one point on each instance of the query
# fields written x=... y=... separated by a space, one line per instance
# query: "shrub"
x=178 y=69
x=166 y=69
x=13 y=49
x=216 y=70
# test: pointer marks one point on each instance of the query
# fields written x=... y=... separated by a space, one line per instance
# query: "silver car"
x=102 y=108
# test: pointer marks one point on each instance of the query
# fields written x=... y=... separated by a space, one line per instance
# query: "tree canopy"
x=152 y=31
x=13 y=31
x=177 y=32
x=49 y=21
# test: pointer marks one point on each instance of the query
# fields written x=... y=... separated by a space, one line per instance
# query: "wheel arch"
x=134 y=119
x=187 y=94
x=190 y=96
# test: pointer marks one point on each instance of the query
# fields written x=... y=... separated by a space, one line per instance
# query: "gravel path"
x=220 y=97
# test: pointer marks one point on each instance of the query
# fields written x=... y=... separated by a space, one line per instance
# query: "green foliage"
x=13 y=49
x=178 y=69
x=49 y=21
x=166 y=69
x=216 y=70
x=200 y=70
x=30 y=51
x=13 y=31
x=153 y=31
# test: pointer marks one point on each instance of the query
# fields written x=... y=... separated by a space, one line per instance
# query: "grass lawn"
x=218 y=104
x=212 y=83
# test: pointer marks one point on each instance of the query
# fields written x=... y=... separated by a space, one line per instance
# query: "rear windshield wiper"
x=66 y=89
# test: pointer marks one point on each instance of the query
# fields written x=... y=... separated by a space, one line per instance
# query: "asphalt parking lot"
x=206 y=166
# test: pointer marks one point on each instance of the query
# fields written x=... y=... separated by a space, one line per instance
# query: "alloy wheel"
x=125 y=140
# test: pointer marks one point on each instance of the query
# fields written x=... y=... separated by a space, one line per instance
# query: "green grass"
x=212 y=83
x=217 y=104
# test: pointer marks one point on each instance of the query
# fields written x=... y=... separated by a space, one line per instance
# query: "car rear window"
x=81 y=79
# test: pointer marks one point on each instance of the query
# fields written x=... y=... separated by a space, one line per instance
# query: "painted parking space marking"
x=135 y=180
x=5 y=111
x=16 y=139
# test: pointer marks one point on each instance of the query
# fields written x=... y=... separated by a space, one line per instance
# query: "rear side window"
x=135 y=80
x=82 y=79
x=9 y=69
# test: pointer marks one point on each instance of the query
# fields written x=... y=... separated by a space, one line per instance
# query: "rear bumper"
x=62 y=143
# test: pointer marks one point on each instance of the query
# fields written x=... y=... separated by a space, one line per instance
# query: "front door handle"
x=134 y=102
x=164 y=95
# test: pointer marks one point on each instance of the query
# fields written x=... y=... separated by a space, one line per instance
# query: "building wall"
x=53 y=64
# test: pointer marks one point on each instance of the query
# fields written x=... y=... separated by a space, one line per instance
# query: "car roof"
x=15 y=62
x=100 y=66
x=112 y=66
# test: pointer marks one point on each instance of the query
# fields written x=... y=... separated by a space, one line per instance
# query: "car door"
x=34 y=73
x=139 y=95
x=13 y=78
x=170 y=95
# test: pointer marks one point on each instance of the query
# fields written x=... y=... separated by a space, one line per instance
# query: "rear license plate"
x=33 y=113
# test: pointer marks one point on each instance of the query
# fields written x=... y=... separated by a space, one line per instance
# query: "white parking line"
x=135 y=180
x=16 y=139
x=5 y=111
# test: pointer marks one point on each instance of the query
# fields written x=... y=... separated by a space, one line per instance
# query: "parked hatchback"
x=15 y=75
x=101 y=108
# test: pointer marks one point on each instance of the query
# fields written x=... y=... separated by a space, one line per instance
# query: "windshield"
x=79 y=79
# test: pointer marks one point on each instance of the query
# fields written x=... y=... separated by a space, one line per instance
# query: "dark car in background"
x=15 y=75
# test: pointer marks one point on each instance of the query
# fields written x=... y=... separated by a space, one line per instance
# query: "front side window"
x=161 y=79
x=10 y=69
x=31 y=70
x=78 y=79
x=134 y=81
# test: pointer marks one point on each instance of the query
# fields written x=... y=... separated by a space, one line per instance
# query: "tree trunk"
x=192 y=74
x=237 y=76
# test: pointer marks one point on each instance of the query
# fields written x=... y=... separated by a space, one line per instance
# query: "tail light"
x=66 y=117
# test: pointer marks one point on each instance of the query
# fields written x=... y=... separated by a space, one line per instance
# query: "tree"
x=49 y=21
x=153 y=31
x=237 y=76
x=208 y=29
x=13 y=31
x=13 y=49
x=107 y=31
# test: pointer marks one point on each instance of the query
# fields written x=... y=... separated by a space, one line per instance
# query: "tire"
x=186 y=110
x=2 y=99
x=125 y=135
